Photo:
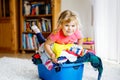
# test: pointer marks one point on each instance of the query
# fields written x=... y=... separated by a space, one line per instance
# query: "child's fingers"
x=54 y=60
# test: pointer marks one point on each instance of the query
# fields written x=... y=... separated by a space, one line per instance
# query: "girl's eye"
x=66 y=25
x=73 y=25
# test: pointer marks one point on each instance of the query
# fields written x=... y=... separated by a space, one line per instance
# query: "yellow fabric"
x=58 y=48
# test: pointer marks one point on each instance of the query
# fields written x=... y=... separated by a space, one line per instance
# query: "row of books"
x=29 y=41
x=43 y=24
x=36 y=8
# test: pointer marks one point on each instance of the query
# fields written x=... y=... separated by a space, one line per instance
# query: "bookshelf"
x=42 y=13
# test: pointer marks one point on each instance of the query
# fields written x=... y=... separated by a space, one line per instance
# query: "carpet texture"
x=17 y=69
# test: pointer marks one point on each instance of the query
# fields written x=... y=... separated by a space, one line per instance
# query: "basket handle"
x=76 y=67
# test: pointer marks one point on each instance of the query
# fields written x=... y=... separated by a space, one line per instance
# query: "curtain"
x=106 y=27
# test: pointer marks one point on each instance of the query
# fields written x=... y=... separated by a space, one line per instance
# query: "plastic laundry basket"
x=72 y=71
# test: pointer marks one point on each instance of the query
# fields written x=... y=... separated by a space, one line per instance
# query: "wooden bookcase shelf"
x=38 y=16
x=44 y=12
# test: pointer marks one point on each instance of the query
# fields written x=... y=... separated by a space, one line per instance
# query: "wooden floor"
x=17 y=55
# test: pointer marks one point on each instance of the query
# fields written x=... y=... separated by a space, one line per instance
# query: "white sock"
x=35 y=29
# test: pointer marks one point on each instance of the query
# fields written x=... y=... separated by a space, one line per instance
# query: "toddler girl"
x=66 y=42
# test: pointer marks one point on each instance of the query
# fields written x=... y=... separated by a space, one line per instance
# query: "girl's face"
x=69 y=28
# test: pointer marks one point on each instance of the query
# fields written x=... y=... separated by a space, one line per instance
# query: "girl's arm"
x=47 y=46
x=80 y=42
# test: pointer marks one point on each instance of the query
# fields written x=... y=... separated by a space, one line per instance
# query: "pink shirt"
x=60 y=38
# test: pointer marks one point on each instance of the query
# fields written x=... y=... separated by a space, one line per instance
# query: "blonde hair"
x=66 y=17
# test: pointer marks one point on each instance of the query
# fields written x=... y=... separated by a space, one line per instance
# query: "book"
x=30 y=42
x=27 y=8
x=47 y=24
x=33 y=10
x=48 y=8
x=23 y=41
x=27 y=42
x=43 y=26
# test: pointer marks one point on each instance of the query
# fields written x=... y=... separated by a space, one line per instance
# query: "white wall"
x=83 y=8
x=106 y=29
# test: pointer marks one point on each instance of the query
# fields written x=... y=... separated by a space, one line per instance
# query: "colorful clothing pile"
x=69 y=54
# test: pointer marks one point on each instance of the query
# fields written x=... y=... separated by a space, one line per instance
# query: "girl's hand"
x=54 y=59
x=47 y=46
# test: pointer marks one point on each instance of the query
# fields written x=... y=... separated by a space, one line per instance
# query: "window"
x=4 y=8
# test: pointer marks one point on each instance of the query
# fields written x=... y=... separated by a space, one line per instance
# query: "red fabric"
x=71 y=52
x=36 y=56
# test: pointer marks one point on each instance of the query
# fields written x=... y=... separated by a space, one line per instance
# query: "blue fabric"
x=94 y=60
x=40 y=38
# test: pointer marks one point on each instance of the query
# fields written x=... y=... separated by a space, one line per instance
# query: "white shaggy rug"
x=24 y=69
x=17 y=69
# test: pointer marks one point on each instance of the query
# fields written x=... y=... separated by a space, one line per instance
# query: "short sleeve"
x=53 y=36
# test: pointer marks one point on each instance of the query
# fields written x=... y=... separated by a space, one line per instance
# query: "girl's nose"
x=70 y=27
